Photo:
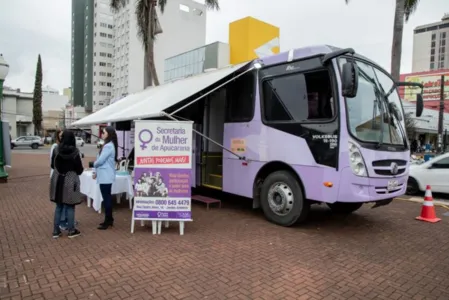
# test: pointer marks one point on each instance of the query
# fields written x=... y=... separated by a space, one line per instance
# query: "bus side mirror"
x=350 y=79
x=419 y=105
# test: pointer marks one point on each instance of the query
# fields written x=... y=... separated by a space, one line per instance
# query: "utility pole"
x=445 y=140
x=441 y=116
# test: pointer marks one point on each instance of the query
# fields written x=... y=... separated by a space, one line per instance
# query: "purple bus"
x=313 y=125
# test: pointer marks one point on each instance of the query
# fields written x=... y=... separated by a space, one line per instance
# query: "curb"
x=440 y=203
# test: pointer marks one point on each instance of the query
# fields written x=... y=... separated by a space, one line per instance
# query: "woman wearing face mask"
x=65 y=183
x=105 y=173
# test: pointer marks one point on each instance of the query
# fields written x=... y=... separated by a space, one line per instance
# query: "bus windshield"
x=369 y=113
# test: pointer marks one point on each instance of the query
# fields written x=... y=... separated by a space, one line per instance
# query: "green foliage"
x=37 y=98
x=410 y=8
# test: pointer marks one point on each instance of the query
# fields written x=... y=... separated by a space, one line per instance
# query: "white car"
x=79 y=142
x=27 y=141
x=434 y=172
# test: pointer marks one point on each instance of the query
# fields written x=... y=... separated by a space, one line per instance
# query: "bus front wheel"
x=282 y=199
x=344 y=208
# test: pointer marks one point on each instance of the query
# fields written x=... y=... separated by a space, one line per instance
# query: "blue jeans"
x=105 y=190
x=69 y=214
x=64 y=222
x=64 y=217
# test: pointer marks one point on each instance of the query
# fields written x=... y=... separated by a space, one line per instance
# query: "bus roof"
x=305 y=52
x=154 y=101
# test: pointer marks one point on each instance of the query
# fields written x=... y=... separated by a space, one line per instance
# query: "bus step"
x=206 y=200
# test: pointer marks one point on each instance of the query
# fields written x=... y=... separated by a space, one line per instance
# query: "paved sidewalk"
x=228 y=253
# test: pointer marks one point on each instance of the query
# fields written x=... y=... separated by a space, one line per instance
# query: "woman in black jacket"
x=65 y=183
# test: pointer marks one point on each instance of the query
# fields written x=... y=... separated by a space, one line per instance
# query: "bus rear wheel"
x=282 y=199
x=344 y=208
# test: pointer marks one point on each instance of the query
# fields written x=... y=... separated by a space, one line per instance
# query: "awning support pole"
x=211 y=91
x=207 y=138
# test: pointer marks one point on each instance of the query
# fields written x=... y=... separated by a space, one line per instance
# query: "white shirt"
x=51 y=154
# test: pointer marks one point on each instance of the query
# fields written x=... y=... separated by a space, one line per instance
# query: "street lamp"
x=4 y=69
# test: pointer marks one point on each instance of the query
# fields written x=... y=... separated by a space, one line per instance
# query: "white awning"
x=151 y=102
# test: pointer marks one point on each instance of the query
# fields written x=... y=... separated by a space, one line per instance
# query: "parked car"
x=27 y=141
x=100 y=143
x=47 y=140
x=79 y=142
x=434 y=172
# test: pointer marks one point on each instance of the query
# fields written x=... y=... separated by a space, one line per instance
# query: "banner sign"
x=162 y=170
x=431 y=83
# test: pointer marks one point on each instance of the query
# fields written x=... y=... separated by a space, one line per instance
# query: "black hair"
x=67 y=139
x=112 y=137
x=57 y=138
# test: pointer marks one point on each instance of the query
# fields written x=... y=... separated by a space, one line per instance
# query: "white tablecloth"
x=90 y=188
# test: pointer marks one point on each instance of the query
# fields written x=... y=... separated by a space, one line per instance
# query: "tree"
x=148 y=28
x=37 y=98
x=404 y=9
x=410 y=126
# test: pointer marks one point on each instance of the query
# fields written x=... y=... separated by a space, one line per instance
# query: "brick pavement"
x=232 y=253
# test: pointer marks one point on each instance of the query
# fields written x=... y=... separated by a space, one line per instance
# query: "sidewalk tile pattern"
x=228 y=253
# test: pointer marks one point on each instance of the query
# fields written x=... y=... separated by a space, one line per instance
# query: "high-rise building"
x=103 y=51
x=79 y=17
x=92 y=53
x=184 y=28
x=430 y=46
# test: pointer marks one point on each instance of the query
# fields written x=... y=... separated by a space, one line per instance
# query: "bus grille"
x=383 y=167
x=388 y=162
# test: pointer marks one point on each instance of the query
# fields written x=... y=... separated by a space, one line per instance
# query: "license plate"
x=392 y=185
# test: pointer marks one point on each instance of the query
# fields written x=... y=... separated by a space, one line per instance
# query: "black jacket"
x=65 y=183
x=68 y=159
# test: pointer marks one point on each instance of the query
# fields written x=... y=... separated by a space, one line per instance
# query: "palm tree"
x=404 y=9
x=148 y=27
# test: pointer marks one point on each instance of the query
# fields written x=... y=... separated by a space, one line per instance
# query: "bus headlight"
x=356 y=161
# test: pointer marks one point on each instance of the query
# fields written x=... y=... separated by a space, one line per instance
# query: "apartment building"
x=184 y=28
x=103 y=56
x=430 y=51
x=92 y=53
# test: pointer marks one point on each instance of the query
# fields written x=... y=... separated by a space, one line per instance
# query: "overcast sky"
x=30 y=27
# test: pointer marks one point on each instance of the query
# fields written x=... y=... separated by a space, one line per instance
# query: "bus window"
x=240 y=99
x=298 y=97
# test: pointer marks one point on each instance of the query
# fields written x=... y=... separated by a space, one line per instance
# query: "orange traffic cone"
x=428 y=210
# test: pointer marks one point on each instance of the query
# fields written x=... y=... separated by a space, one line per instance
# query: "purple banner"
x=163 y=171
x=172 y=215
x=161 y=183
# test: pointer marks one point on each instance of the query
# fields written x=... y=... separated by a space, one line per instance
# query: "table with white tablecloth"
x=90 y=188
